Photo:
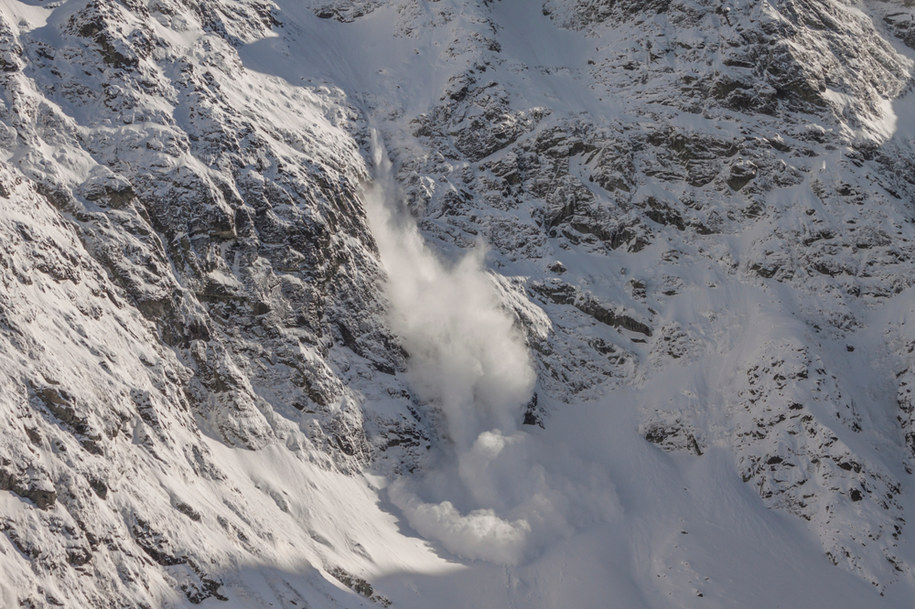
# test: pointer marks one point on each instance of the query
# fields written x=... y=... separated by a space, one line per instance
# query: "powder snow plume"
x=465 y=358
x=491 y=495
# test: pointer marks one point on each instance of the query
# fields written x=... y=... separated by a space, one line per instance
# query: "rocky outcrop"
x=794 y=455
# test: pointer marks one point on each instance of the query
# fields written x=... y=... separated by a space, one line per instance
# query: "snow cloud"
x=487 y=498
x=466 y=357
x=480 y=534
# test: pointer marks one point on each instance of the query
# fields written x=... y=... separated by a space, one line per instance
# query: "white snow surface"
x=582 y=512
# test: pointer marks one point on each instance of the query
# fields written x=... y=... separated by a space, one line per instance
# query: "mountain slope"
x=236 y=374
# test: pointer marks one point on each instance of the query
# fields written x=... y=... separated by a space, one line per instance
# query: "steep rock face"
x=186 y=256
x=236 y=217
x=230 y=217
x=767 y=125
x=760 y=57
x=792 y=448
x=73 y=422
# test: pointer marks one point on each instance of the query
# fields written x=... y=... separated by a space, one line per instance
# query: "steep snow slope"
x=184 y=257
x=217 y=389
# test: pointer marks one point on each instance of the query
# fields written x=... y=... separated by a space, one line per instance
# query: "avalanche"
x=361 y=303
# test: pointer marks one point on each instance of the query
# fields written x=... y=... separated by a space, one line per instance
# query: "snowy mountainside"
x=163 y=292
x=676 y=369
